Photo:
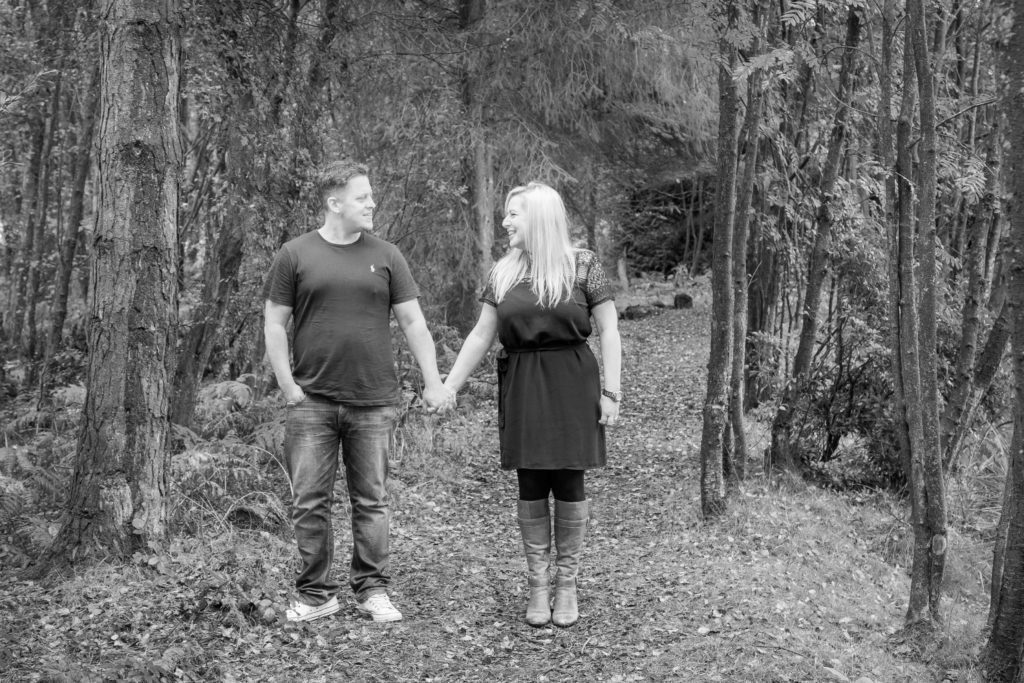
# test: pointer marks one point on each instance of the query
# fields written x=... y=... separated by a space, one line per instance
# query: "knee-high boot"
x=570 y=530
x=535 y=527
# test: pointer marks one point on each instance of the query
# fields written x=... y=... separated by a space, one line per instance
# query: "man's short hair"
x=336 y=175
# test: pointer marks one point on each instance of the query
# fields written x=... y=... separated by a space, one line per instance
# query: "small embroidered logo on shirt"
x=373 y=268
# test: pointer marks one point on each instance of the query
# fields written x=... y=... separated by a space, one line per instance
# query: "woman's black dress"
x=549 y=385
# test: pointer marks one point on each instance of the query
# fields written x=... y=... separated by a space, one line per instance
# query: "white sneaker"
x=380 y=608
x=300 y=611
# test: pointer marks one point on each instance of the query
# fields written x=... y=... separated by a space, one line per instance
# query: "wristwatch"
x=613 y=395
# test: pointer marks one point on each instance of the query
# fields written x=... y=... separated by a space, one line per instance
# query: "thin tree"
x=716 y=402
x=118 y=494
x=926 y=479
x=478 y=173
x=959 y=410
x=68 y=246
x=783 y=453
x=736 y=456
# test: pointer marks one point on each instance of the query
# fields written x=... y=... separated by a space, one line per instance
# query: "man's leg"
x=311 y=455
x=366 y=440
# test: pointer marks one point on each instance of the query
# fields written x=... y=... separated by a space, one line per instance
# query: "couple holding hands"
x=339 y=284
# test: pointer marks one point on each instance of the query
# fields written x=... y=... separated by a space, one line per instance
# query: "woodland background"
x=835 y=177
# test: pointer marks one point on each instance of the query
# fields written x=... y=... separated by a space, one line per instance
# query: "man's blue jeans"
x=313 y=430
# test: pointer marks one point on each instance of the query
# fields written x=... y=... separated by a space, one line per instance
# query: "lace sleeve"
x=487 y=297
x=591 y=278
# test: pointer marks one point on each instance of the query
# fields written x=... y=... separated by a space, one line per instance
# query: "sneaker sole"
x=324 y=610
x=381 y=619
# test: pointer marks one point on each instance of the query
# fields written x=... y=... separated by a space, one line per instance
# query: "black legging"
x=566 y=485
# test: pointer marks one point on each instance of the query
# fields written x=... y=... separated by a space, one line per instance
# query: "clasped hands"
x=438 y=399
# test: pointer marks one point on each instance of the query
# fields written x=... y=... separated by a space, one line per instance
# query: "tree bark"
x=762 y=302
x=117 y=501
x=27 y=212
x=29 y=333
x=736 y=467
x=715 y=413
x=964 y=374
x=782 y=454
x=478 y=175
x=220 y=273
x=985 y=369
x=1002 y=660
x=929 y=504
x=76 y=210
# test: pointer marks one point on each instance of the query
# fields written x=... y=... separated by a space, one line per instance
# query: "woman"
x=552 y=410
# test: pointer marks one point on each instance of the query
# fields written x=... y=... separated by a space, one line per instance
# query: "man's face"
x=353 y=204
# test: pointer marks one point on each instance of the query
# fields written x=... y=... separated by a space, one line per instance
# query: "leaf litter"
x=786 y=587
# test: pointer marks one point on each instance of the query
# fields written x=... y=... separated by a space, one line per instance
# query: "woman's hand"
x=609 y=412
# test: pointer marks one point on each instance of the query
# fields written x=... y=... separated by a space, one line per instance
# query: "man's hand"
x=438 y=399
x=293 y=394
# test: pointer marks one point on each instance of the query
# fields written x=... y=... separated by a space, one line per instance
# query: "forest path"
x=759 y=596
x=784 y=588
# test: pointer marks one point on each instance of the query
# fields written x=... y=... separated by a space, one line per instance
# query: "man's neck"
x=337 y=234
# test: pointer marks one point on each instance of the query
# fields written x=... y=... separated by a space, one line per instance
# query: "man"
x=339 y=284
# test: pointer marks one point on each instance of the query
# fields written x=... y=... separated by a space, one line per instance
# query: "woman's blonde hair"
x=547 y=259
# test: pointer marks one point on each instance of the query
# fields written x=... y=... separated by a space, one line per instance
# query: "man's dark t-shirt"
x=341 y=298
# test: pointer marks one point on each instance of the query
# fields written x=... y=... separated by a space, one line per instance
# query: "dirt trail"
x=784 y=588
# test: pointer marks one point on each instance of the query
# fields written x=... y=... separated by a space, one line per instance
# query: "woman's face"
x=515 y=222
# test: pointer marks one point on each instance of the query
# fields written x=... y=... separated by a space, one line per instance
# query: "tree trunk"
x=985 y=369
x=783 y=451
x=117 y=501
x=220 y=273
x=736 y=470
x=999 y=552
x=76 y=210
x=977 y=233
x=929 y=504
x=478 y=174
x=712 y=482
x=19 y=269
x=762 y=301
x=29 y=333
x=1002 y=661
x=696 y=208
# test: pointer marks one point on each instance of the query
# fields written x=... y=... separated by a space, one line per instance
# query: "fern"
x=14 y=498
x=10 y=458
x=269 y=436
x=51 y=482
x=800 y=12
x=34 y=534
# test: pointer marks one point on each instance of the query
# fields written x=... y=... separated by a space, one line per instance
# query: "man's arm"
x=421 y=343
x=275 y=333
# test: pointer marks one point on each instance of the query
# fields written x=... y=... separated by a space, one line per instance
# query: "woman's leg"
x=572 y=513
x=567 y=485
x=534 y=518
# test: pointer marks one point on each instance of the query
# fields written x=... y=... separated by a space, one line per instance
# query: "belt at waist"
x=541 y=349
